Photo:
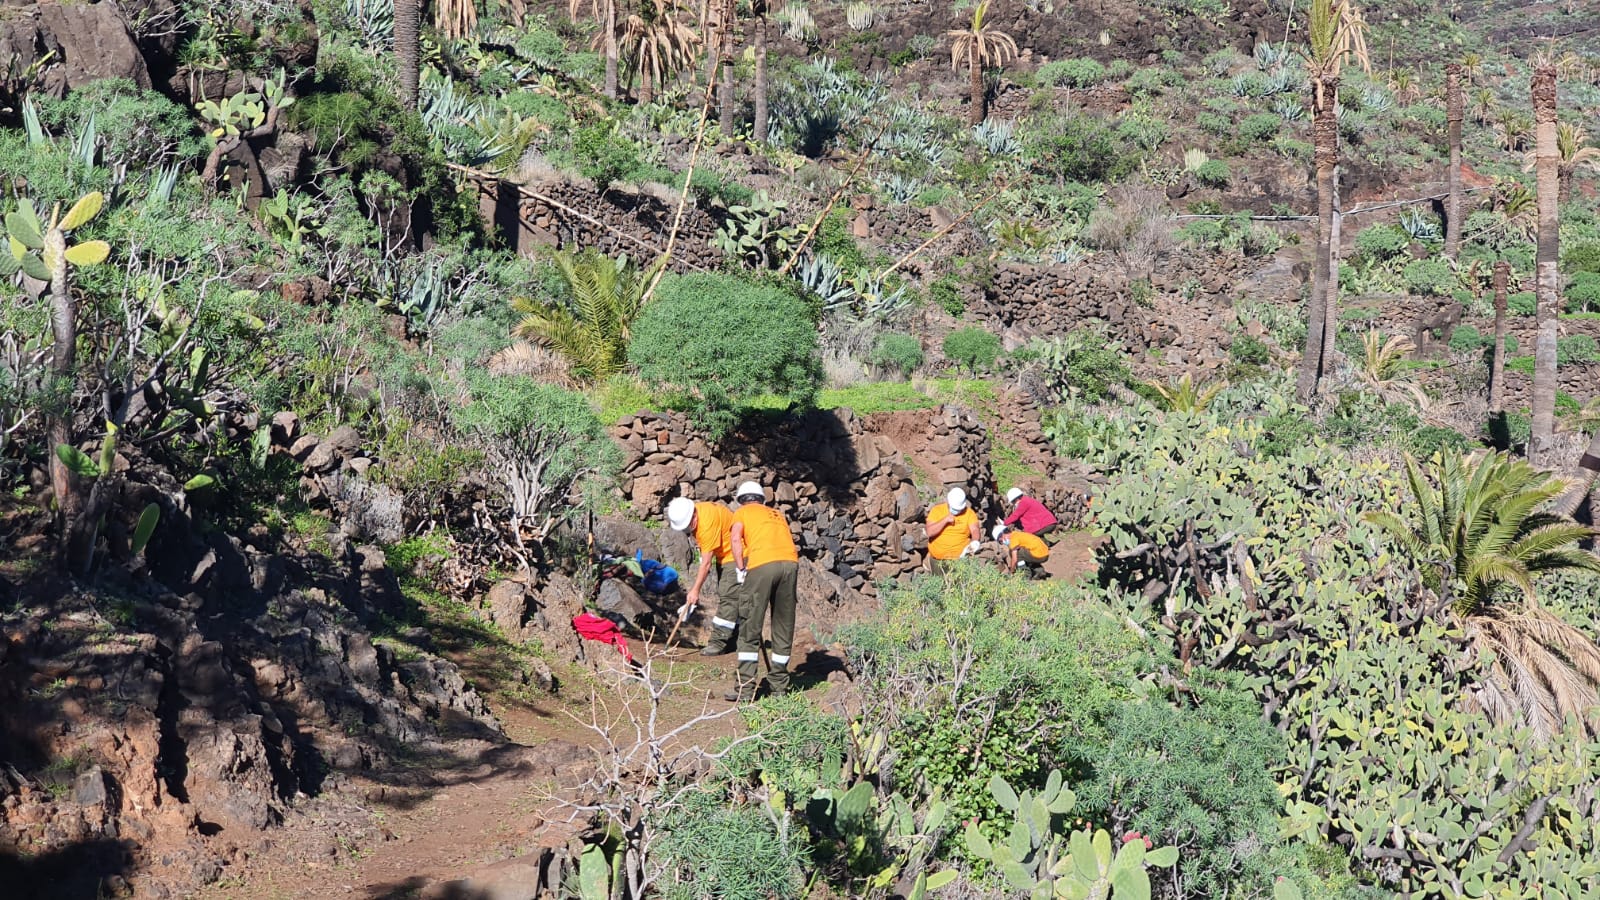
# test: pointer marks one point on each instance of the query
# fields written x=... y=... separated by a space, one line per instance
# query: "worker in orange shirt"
x=712 y=527
x=1022 y=548
x=953 y=531
x=764 y=554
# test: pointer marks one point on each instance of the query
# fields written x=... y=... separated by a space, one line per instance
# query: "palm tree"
x=1575 y=153
x=658 y=44
x=758 y=127
x=1337 y=32
x=979 y=46
x=408 y=49
x=592 y=329
x=1453 y=106
x=605 y=40
x=1547 y=280
x=1483 y=545
x=1497 y=366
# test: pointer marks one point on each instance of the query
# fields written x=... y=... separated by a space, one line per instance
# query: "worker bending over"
x=953 y=531
x=1022 y=548
x=1033 y=516
x=712 y=527
x=764 y=552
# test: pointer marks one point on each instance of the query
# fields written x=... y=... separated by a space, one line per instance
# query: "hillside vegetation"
x=340 y=338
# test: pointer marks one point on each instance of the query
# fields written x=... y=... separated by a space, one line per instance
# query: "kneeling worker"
x=953 y=531
x=1033 y=516
x=712 y=526
x=1023 y=548
x=763 y=550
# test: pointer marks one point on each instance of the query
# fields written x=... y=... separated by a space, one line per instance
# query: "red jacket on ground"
x=1035 y=518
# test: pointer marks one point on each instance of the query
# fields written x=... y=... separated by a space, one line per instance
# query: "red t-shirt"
x=1035 y=518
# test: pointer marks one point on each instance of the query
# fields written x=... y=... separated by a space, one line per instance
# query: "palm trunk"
x=1547 y=279
x=1325 y=137
x=759 y=127
x=646 y=89
x=1330 y=302
x=1588 y=473
x=1452 y=209
x=64 y=359
x=975 y=115
x=610 y=25
x=1497 y=365
x=408 y=49
x=725 y=89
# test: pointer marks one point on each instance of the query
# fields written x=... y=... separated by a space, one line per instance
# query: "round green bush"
x=1583 y=294
x=1249 y=350
x=1578 y=348
x=1431 y=277
x=1260 y=126
x=1522 y=303
x=1583 y=257
x=1431 y=439
x=1213 y=173
x=895 y=352
x=973 y=348
x=1466 y=338
x=1381 y=242
x=1076 y=73
x=712 y=341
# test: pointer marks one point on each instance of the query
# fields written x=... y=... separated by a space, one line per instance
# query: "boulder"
x=86 y=42
x=507 y=605
x=617 y=596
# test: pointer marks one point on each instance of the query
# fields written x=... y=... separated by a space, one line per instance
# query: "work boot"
x=720 y=642
x=744 y=691
x=778 y=681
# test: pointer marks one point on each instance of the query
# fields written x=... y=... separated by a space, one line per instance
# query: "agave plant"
x=1289 y=109
x=1476 y=527
x=1270 y=56
x=1185 y=395
x=822 y=278
x=997 y=138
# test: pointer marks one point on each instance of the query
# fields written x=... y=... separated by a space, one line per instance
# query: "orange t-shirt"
x=1029 y=542
x=766 y=536
x=955 y=537
x=713 y=530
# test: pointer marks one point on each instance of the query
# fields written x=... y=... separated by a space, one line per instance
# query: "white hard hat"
x=749 y=489
x=1013 y=494
x=998 y=530
x=680 y=512
x=957 y=500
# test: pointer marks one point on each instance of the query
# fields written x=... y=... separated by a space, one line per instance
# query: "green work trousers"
x=770 y=585
x=729 y=597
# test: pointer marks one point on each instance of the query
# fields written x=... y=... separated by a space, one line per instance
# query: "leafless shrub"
x=1132 y=226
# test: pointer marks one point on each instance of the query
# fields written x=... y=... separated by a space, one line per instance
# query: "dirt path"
x=428 y=821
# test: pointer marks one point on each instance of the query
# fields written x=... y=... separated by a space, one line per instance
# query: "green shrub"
x=946 y=294
x=1213 y=173
x=1285 y=433
x=712 y=849
x=1150 y=81
x=711 y=342
x=1214 y=123
x=1085 y=365
x=603 y=155
x=1430 y=277
x=1077 y=73
x=1467 y=338
x=1523 y=303
x=1431 y=439
x=1578 y=348
x=139 y=129
x=974 y=348
x=1080 y=148
x=900 y=353
x=1380 y=243
x=1260 y=126
x=1583 y=293
x=1584 y=257
x=1249 y=350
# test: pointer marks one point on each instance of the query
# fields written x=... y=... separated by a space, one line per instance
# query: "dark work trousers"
x=770 y=585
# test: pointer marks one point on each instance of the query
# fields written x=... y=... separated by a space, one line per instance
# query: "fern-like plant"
x=1185 y=395
x=592 y=329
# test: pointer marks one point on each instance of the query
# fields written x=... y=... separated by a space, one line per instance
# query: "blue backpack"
x=658 y=577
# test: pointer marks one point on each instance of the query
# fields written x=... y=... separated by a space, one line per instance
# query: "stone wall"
x=856 y=489
x=562 y=215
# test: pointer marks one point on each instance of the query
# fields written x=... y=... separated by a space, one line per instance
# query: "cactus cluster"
x=1043 y=860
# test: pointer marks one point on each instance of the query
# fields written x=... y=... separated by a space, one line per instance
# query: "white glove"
x=972 y=548
x=685 y=611
x=739 y=575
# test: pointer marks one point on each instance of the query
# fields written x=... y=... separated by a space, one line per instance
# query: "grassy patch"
x=1581 y=316
x=622 y=395
x=1009 y=469
x=974 y=392
x=875 y=397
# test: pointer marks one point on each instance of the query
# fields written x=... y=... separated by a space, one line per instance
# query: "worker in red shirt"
x=1030 y=513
